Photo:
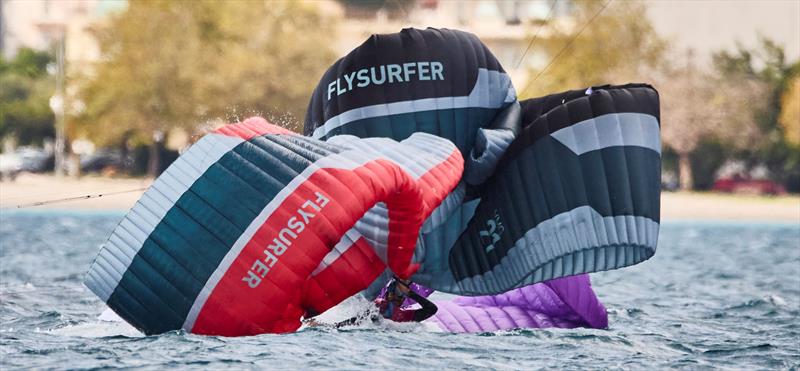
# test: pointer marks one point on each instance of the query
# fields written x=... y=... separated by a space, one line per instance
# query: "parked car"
x=35 y=160
x=739 y=184
x=105 y=159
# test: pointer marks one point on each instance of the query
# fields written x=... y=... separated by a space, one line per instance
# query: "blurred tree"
x=772 y=147
x=790 y=112
x=178 y=64
x=393 y=8
x=28 y=62
x=25 y=90
x=708 y=156
x=790 y=121
x=618 y=46
x=704 y=108
x=684 y=122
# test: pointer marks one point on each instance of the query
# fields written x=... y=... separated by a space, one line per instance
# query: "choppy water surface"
x=714 y=296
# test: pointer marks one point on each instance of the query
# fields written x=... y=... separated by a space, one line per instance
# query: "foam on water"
x=714 y=296
x=98 y=329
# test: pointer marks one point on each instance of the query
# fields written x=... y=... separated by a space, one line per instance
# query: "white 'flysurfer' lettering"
x=388 y=74
x=283 y=240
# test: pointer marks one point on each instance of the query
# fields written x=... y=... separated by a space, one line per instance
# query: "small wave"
x=108 y=315
x=729 y=351
x=776 y=300
x=17 y=289
x=97 y=330
x=681 y=347
x=728 y=276
x=766 y=301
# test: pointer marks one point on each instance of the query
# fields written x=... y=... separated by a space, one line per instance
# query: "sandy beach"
x=730 y=207
x=32 y=192
x=36 y=191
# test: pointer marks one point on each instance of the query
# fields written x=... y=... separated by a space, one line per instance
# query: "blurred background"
x=114 y=88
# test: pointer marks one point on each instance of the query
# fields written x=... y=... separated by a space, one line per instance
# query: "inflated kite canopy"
x=245 y=228
x=577 y=191
x=567 y=302
x=438 y=81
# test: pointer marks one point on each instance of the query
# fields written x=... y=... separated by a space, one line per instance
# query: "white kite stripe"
x=147 y=213
x=612 y=130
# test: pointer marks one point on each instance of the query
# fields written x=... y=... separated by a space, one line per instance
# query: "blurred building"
x=708 y=26
x=38 y=24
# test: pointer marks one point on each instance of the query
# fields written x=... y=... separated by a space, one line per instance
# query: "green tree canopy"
x=28 y=62
x=767 y=65
x=170 y=64
x=734 y=107
x=790 y=112
x=25 y=90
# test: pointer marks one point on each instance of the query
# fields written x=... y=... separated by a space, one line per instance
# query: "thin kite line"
x=565 y=46
x=533 y=40
x=67 y=199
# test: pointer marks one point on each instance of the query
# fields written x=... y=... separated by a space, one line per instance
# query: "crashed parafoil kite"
x=422 y=163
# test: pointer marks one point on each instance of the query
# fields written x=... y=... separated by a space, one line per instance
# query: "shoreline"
x=86 y=193
x=117 y=195
x=722 y=207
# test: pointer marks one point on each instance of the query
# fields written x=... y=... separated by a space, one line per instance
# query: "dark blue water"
x=714 y=296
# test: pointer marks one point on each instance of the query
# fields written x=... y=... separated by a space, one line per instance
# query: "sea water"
x=716 y=295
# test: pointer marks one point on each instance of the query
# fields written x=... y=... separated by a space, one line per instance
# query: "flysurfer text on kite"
x=390 y=73
x=294 y=226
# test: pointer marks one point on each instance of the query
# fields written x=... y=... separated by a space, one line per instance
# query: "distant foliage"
x=25 y=90
x=699 y=105
x=180 y=64
x=733 y=111
x=618 y=46
x=790 y=112
x=708 y=156
x=28 y=62
x=772 y=146
x=369 y=7
x=702 y=113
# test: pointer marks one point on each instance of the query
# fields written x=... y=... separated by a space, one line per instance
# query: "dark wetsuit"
x=392 y=312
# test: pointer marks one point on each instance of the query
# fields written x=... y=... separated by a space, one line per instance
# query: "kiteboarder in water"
x=390 y=306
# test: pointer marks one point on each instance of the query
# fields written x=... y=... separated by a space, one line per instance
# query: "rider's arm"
x=428 y=308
